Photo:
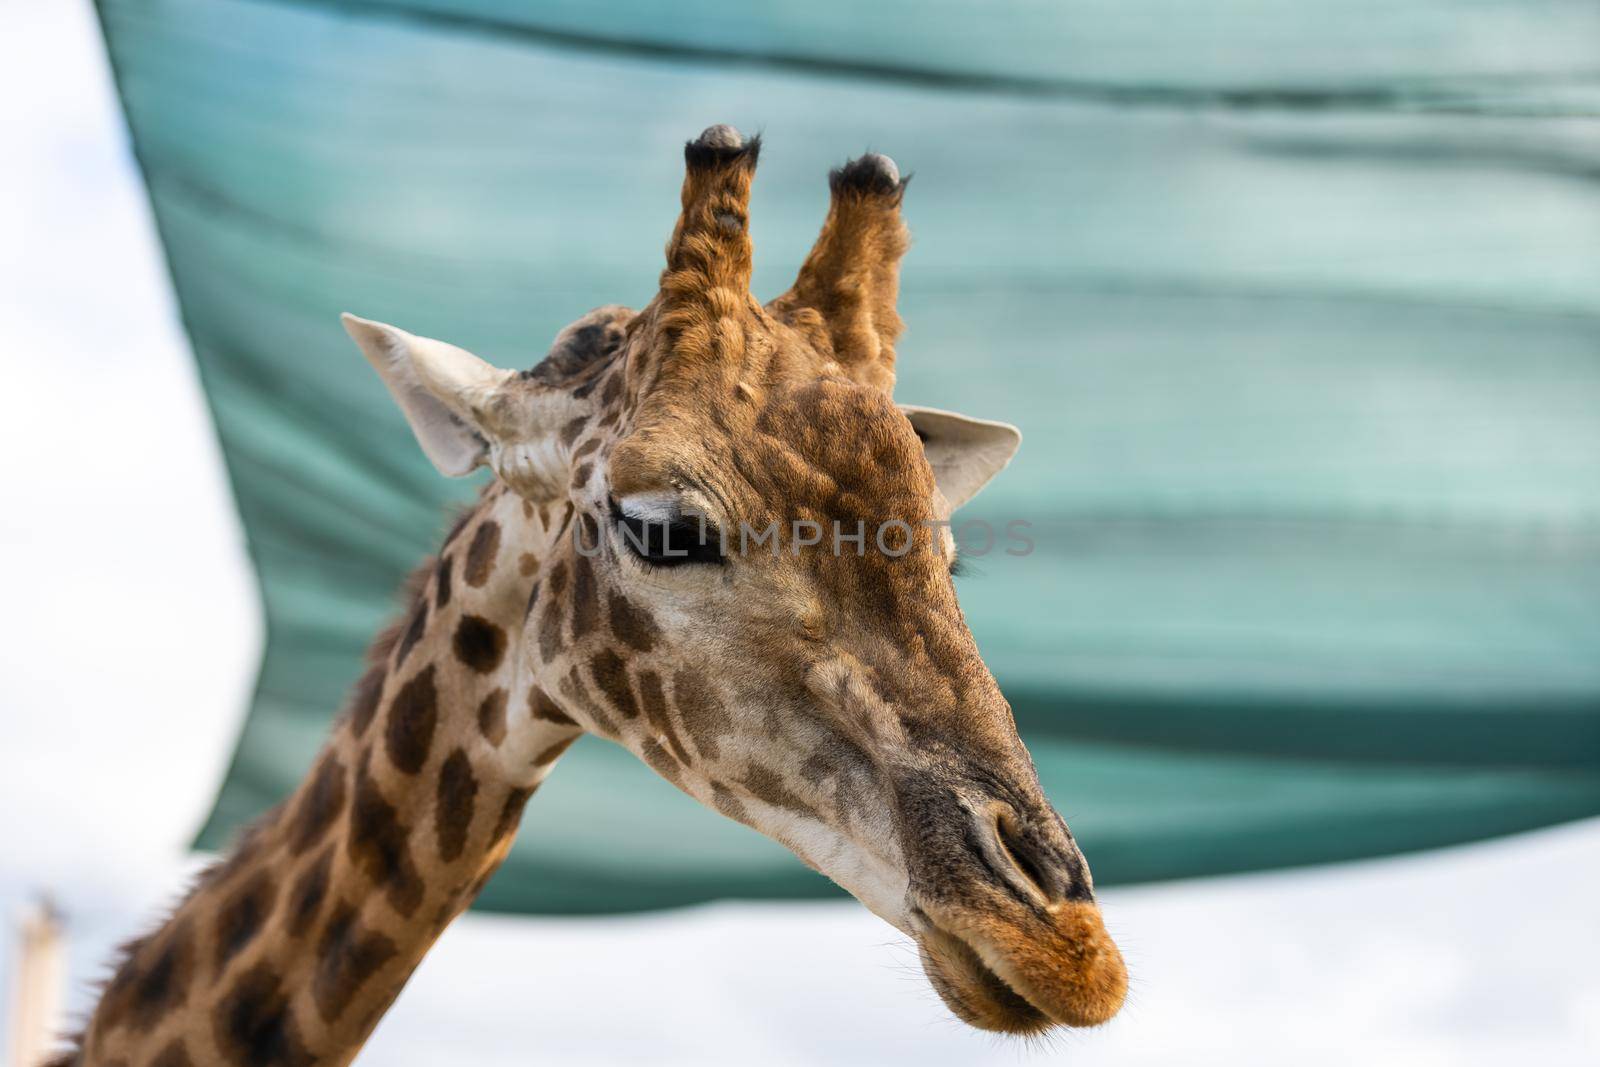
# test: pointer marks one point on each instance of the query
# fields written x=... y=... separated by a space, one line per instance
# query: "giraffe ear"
x=441 y=388
x=467 y=413
x=963 y=452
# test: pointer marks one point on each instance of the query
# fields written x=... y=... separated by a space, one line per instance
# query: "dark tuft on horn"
x=716 y=148
x=873 y=174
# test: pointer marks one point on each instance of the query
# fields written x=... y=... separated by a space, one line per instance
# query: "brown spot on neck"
x=413 y=632
x=454 y=804
x=154 y=979
x=441 y=582
x=413 y=716
x=254 y=1024
x=176 y=1054
x=511 y=812
x=378 y=846
x=349 y=954
x=305 y=898
x=321 y=802
x=492 y=717
x=364 y=705
x=479 y=643
x=242 y=917
x=481 y=553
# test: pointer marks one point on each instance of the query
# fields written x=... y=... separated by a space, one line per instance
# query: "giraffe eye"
x=669 y=541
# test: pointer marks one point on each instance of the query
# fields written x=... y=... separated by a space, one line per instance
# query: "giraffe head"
x=753 y=593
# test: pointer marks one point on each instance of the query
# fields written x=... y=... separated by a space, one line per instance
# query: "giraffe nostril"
x=999 y=845
x=1024 y=856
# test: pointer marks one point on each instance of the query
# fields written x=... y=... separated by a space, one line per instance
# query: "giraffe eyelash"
x=672 y=542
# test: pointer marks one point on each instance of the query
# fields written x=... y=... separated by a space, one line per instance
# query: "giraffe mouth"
x=972 y=991
x=1024 y=978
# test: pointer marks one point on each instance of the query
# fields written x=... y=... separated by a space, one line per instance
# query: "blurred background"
x=1298 y=307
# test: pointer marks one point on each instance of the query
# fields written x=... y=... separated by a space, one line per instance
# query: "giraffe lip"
x=1024 y=974
x=970 y=988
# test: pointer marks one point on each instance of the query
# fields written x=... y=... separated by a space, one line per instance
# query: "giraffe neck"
x=289 y=951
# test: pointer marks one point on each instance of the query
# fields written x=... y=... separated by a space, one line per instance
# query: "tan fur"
x=833 y=700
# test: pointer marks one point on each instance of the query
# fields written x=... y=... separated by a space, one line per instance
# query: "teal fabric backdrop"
x=1297 y=304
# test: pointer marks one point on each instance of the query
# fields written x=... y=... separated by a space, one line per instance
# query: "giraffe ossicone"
x=832 y=699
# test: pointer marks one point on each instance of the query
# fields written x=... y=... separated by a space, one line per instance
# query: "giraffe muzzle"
x=1006 y=922
x=1058 y=967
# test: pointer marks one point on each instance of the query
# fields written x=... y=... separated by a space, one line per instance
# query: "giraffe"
x=824 y=690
